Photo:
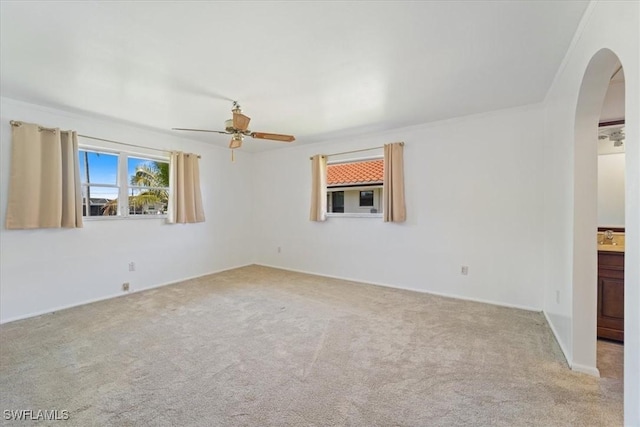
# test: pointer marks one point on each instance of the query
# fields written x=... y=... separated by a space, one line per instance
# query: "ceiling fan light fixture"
x=615 y=135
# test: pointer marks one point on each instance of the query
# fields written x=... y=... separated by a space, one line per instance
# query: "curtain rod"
x=353 y=151
x=125 y=143
x=18 y=123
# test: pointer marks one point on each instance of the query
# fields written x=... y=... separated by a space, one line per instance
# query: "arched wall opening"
x=584 y=302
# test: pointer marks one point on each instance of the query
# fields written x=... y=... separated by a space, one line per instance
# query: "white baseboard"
x=573 y=366
x=558 y=340
x=594 y=372
x=422 y=291
x=118 y=295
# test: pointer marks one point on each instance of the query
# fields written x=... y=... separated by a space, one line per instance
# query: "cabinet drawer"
x=611 y=272
x=611 y=259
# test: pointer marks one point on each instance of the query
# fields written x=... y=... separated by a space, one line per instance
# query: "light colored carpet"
x=264 y=347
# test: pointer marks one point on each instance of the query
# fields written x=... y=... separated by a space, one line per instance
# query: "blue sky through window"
x=103 y=167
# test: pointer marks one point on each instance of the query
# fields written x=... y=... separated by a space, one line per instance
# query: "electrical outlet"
x=464 y=270
x=125 y=287
x=132 y=266
x=279 y=249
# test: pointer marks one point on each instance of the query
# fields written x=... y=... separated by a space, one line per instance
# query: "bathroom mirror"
x=611 y=162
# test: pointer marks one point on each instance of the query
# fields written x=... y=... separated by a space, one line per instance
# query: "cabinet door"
x=611 y=308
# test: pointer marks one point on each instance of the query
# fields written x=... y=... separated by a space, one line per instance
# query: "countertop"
x=610 y=248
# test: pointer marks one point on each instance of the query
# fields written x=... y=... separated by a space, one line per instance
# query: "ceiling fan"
x=613 y=134
x=238 y=128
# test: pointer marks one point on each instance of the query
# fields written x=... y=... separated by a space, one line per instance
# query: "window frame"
x=122 y=182
x=130 y=187
x=372 y=198
x=373 y=187
x=331 y=196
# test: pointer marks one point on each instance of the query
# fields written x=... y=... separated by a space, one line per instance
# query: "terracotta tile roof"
x=369 y=172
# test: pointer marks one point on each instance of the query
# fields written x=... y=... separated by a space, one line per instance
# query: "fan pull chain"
x=233 y=157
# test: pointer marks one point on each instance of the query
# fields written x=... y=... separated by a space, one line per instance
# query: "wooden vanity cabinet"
x=611 y=295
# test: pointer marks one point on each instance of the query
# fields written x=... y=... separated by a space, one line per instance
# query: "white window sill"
x=353 y=215
x=119 y=218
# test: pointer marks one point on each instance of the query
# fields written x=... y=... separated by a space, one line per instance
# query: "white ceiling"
x=313 y=69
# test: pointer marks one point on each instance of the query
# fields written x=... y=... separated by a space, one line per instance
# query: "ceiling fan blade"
x=240 y=121
x=273 y=136
x=235 y=143
x=203 y=130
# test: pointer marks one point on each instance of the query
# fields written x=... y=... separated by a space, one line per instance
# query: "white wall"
x=614 y=26
x=474 y=197
x=611 y=190
x=613 y=106
x=44 y=270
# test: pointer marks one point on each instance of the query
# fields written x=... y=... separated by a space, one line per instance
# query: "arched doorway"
x=590 y=100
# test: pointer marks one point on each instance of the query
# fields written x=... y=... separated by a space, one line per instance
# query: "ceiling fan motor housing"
x=238 y=127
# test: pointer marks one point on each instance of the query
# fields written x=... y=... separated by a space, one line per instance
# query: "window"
x=354 y=187
x=335 y=201
x=99 y=177
x=366 y=198
x=122 y=184
x=148 y=186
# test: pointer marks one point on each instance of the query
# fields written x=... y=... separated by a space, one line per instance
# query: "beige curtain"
x=44 y=178
x=185 y=201
x=393 y=194
x=318 y=188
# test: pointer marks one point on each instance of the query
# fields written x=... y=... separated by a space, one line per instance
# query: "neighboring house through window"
x=122 y=184
x=355 y=187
